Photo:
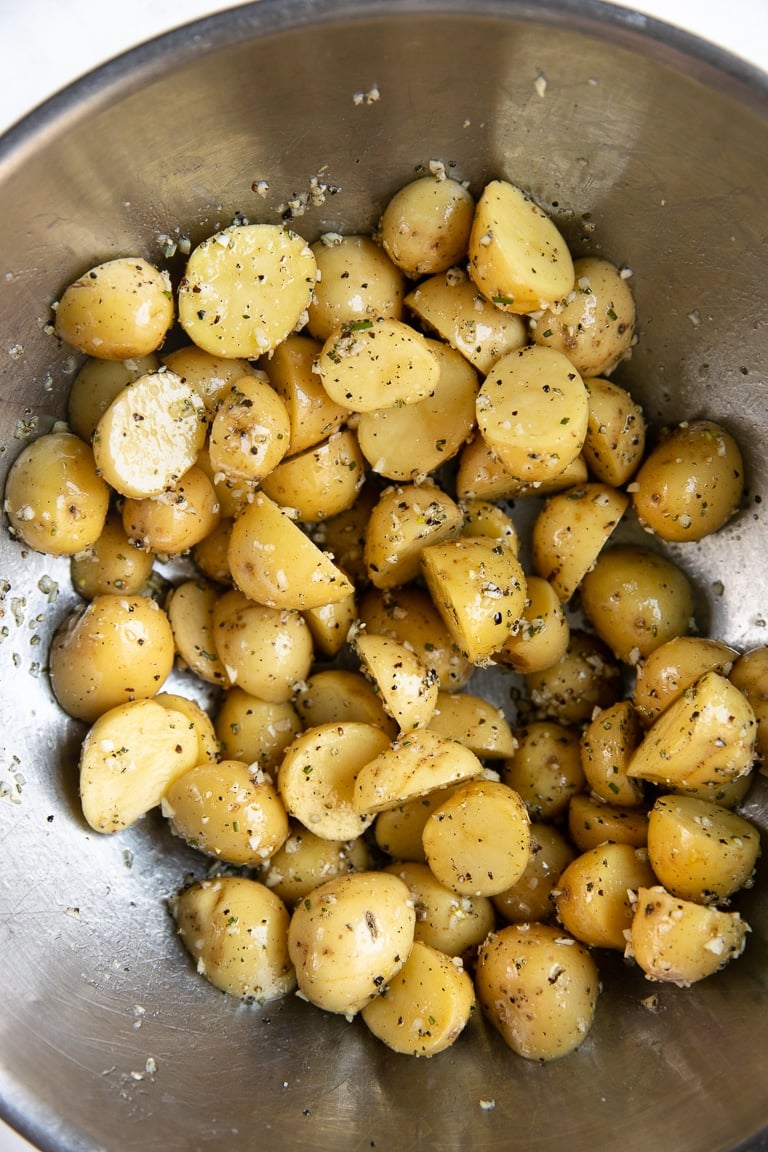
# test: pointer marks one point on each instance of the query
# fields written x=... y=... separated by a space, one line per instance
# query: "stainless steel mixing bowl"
x=647 y=146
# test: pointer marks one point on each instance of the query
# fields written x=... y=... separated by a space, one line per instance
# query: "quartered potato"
x=674 y=666
x=334 y=695
x=425 y=226
x=402 y=523
x=312 y=414
x=407 y=688
x=357 y=282
x=190 y=610
x=414 y=765
x=330 y=624
x=378 y=363
x=541 y=637
x=571 y=531
x=483 y=518
x=208 y=748
x=482 y=475
x=117 y=310
x=615 y=440
x=607 y=745
x=594 y=896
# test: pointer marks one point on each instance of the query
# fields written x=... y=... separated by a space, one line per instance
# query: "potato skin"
x=118 y=310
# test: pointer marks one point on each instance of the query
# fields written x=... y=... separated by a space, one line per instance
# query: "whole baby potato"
x=265 y=651
x=255 y=730
x=425 y=226
x=250 y=431
x=111 y=564
x=357 y=282
x=545 y=768
x=530 y=898
x=117 y=311
x=586 y=677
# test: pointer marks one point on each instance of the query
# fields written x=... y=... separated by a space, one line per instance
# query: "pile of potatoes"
x=336 y=437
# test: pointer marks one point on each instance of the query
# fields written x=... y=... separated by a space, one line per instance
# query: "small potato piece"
x=636 y=600
x=750 y=675
x=483 y=518
x=118 y=648
x=481 y=475
x=200 y=723
x=451 y=306
x=530 y=898
x=349 y=937
x=592 y=822
x=357 y=282
x=236 y=931
x=245 y=289
x=478 y=842
x=211 y=554
x=679 y=942
x=425 y=1006
x=691 y=483
x=541 y=639
x=190 y=609
x=409 y=442
x=570 y=532
x=444 y=919
x=129 y=758
x=539 y=989
x=414 y=765
x=402 y=523
x=316 y=778
x=532 y=412
x=274 y=563
x=305 y=861
x=177 y=519
x=545 y=768
x=256 y=731
x=313 y=415
x=674 y=666
x=265 y=651
x=211 y=376
x=607 y=744
x=117 y=310
x=344 y=534
x=54 y=498
x=335 y=695
x=587 y=677
x=408 y=689
x=706 y=736
x=595 y=323
x=425 y=226
x=250 y=431
x=615 y=440
x=377 y=364
x=475 y=722
x=517 y=256
x=700 y=851
x=150 y=435
x=96 y=385
x=227 y=810
x=478 y=587
x=330 y=625
x=398 y=831
x=595 y=894
x=111 y=564
x=320 y=482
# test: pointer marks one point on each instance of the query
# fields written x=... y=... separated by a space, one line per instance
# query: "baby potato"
x=402 y=523
x=679 y=942
x=229 y=810
x=541 y=638
x=211 y=376
x=305 y=861
x=595 y=894
x=674 y=666
x=111 y=564
x=349 y=937
x=545 y=767
x=118 y=648
x=233 y=495
x=117 y=310
x=699 y=850
x=425 y=226
x=344 y=534
x=398 y=831
x=150 y=435
x=190 y=609
x=321 y=481
x=200 y=723
x=330 y=625
x=475 y=722
x=316 y=778
x=408 y=689
x=530 y=898
x=445 y=920
x=450 y=306
x=481 y=475
x=96 y=385
x=335 y=695
x=691 y=483
x=414 y=765
x=177 y=519
x=425 y=1006
x=595 y=324
x=539 y=988
x=615 y=440
x=256 y=731
x=265 y=651
x=592 y=822
x=210 y=554
x=236 y=931
x=478 y=586
x=636 y=600
x=607 y=744
x=276 y=564
x=357 y=282
x=130 y=756
x=483 y=518
x=250 y=431
x=570 y=532
x=245 y=289
x=377 y=364
x=409 y=442
x=312 y=414
x=517 y=256
x=478 y=842
x=532 y=412
x=54 y=498
x=750 y=675
x=585 y=678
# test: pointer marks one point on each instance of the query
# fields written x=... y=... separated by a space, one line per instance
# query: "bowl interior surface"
x=647 y=148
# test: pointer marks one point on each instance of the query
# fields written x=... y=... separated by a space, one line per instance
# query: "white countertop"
x=47 y=43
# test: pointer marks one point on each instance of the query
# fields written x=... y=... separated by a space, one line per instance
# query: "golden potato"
x=357 y=282
x=254 y=730
x=177 y=519
x=530 y=898
x=678 y=942
x=250 y=431
x=595 y=893
x=117 y=310
x=111 y=564
x=425 y=226
x=545 y=768
x=674 y=666
x=586 y=677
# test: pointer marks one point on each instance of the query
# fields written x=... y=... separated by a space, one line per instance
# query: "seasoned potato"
x=190 y=608
x=200 y=723
x=38 y=513
x=414 y=765
x=236 y=931
x=358 y=282
x=330 y=625
x=305 y=861
x=111 y=564
x=585 y=678
x=607 y=744
x=402 y=523
x=377 y=364
x=571 y=531
x=691 y=483
x=615 y=440
x=539 y=989
x=321 y=481
x=483 y=518
x=595 y=323
x=425 y=226
x=265 y=651
x=674 y=666
x=96 y=385
x=245 y=289
x=398 y=831
x=211 y=376
x=250 y=431
x=256 y=731
x=474 y=721
x=545 y=768
x=349 y=937
x=117 y=310
x=517 y=257
x=312 y=414
x=177 y=519
x=445 y=920
x=425 y=1006
x=595 y=893
x=408 y=689
x=481 y=475
x=592 y=822
x=750 y=675
x=335 y=695
x=344 y=534
x=118 y=648
x=530 y=898
x=679 y=942
x=211 y=555
x=541 y=638
x=532 y=412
